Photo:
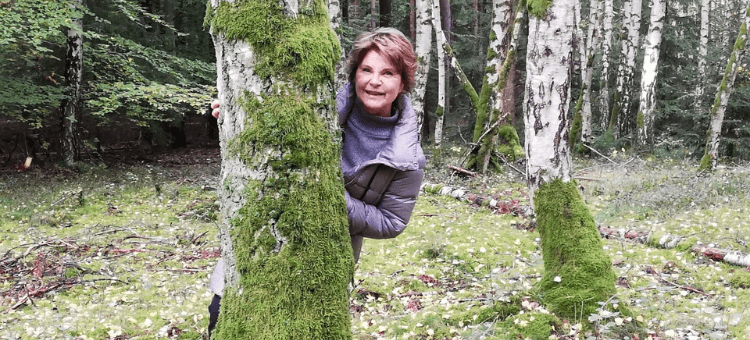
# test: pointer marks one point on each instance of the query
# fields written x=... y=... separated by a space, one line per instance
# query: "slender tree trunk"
x=169 y=19
x=580 y=54
x=373 y=16
x=726 y=87
x=73 y=75
x=284 y=232
x=335 y=15
x=606 y=31
x=623 y=96
x=592 y=41
x=385 y=13
x=423 y=48
x=645 y=117
x=441 y=55
x=493 y=130
x=412 y=21
x=577 y=272
x=344 y=11
x=702 y=53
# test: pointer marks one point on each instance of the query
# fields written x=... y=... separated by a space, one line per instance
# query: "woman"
x=381 y=158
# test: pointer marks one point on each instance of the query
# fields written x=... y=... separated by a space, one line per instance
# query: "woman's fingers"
x=215 y=105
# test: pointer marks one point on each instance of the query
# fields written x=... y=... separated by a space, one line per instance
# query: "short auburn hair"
x=394 y=46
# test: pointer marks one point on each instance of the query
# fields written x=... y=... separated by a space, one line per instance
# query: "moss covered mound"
x=577 y=272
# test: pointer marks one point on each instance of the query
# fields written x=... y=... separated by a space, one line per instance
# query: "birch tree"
x=335 y=15
x=702 y=53
x=284 y=232
x=725 y=89
x=441 y=41
x=645 y=117
x=607 y=15
x=73 y=74
x=629 y=52
x=493 y=131
x=592 y=40
x=577 y=272
x=422 y=47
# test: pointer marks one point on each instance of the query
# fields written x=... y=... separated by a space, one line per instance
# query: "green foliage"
x=538 y=8
x=136 y=64
x=577 y=271
x=510 y=144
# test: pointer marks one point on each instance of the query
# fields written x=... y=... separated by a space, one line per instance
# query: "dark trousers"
x=213 y=314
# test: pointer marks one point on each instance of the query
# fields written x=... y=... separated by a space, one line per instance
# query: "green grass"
x=457 y=271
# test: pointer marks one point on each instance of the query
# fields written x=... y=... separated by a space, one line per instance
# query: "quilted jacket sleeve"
x=387 y=218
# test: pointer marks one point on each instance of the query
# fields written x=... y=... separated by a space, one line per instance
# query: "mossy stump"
x=577 y=273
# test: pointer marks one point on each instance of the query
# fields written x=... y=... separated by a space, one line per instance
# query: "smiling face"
x=378 y=83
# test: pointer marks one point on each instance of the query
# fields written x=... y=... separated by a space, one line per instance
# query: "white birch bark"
x=702 y=53
x=547 y=96
x=632 y=22
x=645 y=119
x=722 y=96
x=607 y=16
x=73 y=74
x=592 y=41
x=422 y=47
x=334 y=15
x=580 y=54
x=441 y=41
x=502 y=25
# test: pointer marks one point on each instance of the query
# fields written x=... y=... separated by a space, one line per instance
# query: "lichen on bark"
x=577 y=271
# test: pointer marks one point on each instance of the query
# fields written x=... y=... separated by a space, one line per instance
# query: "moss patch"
x=305 y=49
x=538 y=8
x=577 y=271
x=291 y=239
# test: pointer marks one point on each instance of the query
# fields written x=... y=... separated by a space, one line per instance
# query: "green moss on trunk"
x=304 y=49
x=538 y=8
x=294 y=288
x=291 y=239
x=572 y=252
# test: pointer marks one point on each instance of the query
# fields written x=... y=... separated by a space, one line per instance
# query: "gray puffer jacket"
x=383 y=164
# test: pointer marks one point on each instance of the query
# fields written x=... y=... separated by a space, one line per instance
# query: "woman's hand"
x=215 y=106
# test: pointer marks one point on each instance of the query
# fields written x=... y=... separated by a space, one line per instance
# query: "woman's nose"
x=376 y=79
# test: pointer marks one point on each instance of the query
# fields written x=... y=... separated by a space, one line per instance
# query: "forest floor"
x=125 y=252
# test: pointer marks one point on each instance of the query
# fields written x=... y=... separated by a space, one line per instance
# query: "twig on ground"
x=462 y=171
x=598 y=153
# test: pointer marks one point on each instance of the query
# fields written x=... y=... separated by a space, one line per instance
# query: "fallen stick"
x=462 y=170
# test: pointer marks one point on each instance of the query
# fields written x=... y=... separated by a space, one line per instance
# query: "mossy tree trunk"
x=719 y=107
x=646 y=114
x=576 y=270
x=422 y=47
x=73 y=74
x=284 y=232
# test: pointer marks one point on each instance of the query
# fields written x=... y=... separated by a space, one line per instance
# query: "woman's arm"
x=388 y=218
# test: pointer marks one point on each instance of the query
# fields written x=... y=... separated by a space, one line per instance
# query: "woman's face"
x=377 y=83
